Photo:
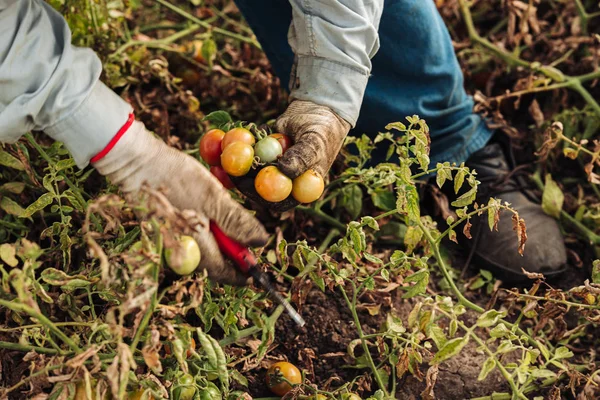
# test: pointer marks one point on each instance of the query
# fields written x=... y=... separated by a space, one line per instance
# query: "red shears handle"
x=240 y=255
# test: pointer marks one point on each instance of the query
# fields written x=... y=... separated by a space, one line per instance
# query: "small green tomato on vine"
x=190 y=256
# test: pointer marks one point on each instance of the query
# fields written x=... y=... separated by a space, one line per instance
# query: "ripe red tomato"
x=222 y=176
x=272 y=185
x=284 y=140
x=238 y=135
x=308 y=187
x=237 y=158
x=268 y=149
x=210 y=146
x=288 y=371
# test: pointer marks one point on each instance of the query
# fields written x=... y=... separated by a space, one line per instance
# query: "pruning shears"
x=245 y=261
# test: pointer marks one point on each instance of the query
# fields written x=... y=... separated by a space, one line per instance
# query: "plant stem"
x=322 y=216
x=19 y=307
x=564 y=302
x=158 y=43
x=27 y=348
x=205 y=25
x=352 y=307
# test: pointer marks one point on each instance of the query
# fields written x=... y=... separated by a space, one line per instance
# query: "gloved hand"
x=318 y=135
x=138 y=157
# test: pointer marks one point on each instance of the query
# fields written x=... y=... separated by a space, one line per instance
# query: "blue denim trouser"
x=414 y=72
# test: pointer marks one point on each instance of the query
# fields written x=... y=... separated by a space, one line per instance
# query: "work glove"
x=318 y=134
x=138 y=157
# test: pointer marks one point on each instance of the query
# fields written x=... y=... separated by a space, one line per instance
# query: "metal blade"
x=263 y=280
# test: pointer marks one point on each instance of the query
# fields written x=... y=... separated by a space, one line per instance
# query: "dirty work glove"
x=138 y=157
x=318 y=135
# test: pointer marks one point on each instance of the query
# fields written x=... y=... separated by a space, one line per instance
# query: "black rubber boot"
x=497 y=251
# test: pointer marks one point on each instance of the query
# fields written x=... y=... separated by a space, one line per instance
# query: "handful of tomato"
x=234 y=153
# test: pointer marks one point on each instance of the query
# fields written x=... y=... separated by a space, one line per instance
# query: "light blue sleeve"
x=47 y=84
x=334 y=41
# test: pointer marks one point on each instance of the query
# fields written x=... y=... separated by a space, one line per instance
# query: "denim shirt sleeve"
x=333 y=42
x=49 y=85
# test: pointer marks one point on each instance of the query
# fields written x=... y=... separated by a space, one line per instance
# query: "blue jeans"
x=414 y=72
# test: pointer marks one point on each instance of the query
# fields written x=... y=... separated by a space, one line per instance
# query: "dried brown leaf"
x=467 y=229
x=430 y=379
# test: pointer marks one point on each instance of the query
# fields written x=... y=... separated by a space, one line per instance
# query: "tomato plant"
x=210 y=146
x=284 y=140
x=222 y=176
x=237 y=158
x=268 y=149
x=308 y=187
x=189 y=257
x=272 y=184
x=188 y=353
x=285 y=370
x=238 y=135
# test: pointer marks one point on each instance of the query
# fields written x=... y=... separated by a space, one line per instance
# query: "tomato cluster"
x=234 y=153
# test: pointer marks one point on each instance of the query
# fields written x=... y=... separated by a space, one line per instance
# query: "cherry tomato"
x=187 y=388
x=350 y=396
x=237 y=158
x=268 y=149
x=222 y=176
x=238 y=135
x=190 y=256
x=272 y=185
x=188 y=353
x=211 y=392
x=308 y=187
x=210 y=146
x=318 y=397
x=284 y=140
x=288 y=371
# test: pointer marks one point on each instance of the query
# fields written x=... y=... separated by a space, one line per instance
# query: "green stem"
x=352 y=307
x=205 y=25
x=19 y=307
x=154 y=300
x=27 y=348
x=158 y=43
x=322 y=216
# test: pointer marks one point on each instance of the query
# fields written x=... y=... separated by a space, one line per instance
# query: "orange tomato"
x=288 y=371
x=272 y=185
x=237 y=158
x=308 y=187
x=238 y=135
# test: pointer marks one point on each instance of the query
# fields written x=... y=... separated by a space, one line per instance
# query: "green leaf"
x=11 y=207
x=466 y=198
x=370 y=222
x=486 y=274
x=7 y=254
x=218 y=118
x=488 y=366
x=412 y=238
x=56 y=277
x=41 y=203
x=394 y=324
x=412 y=203
x=562 y=352
x=552 y=198
x=437 y=335
x=543 y=373
x=489 y=318
x=421 y=278
x=239 y=378
x=499 y=331
x=450 y=349
x=209 y=51
x=351 y=199
x=13 y=187
x=10 y=161
x=459 y=179
x=372 y=258
x=64 y=164
x=384 y=200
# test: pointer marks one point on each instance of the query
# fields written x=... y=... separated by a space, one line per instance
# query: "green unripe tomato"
x=350 y=396
x=211 y=392
x=268 y=149
x=190 y=256
x=186 y=387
